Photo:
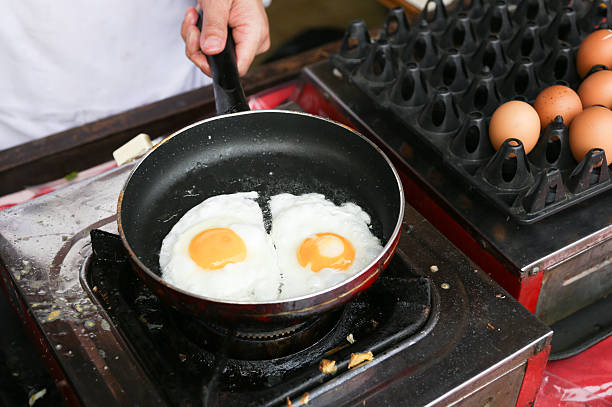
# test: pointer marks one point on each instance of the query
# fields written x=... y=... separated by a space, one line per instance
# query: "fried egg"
x=319 y=244
x=220 y=249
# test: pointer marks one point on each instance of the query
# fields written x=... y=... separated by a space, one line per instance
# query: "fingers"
x=214 y=25
x=191 y=17
x=191 y=36
x=250 y=30
x=247 y=46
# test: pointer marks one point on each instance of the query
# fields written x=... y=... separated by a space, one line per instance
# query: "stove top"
x=439 y=329
x=190 y=361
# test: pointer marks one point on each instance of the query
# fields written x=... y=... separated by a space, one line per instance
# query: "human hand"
x=249 y=24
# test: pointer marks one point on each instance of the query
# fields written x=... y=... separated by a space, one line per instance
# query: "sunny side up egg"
x=319 y=244
x=220 y=249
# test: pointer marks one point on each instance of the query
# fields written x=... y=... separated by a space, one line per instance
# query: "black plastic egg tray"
x=445 y=74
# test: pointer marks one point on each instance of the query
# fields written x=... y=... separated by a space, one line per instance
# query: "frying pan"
x=266 y=151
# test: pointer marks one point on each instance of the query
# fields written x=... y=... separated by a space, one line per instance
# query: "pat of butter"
x=132 y=149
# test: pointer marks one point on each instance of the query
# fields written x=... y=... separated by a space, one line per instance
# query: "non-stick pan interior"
x=268 y=152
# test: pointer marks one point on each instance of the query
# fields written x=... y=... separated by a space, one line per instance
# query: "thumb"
x=215 y=15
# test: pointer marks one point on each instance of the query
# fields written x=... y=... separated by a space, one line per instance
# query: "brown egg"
x=515 y=119
x=591 y=129
x=595 y=49
x=596 y=90
x=557 y=100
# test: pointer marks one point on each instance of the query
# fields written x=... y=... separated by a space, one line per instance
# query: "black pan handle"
x=229 y=95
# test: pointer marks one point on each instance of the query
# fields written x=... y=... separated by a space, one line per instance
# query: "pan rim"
x=386 y=248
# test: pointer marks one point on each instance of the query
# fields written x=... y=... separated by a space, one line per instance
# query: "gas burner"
x=396 y=307
x=261 y=345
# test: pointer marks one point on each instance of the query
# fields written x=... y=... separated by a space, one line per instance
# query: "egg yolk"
x=215 y=248
x=326 y=250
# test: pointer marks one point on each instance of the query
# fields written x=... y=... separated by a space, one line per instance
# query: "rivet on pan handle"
x=229 y=95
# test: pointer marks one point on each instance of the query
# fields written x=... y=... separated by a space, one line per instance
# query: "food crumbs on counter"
x=475 y=271
x=182 y=357
x=328 y=366
x=360 y=358
x=445 y=286
x=500 y=296
x=490 y=326
x=289 y=403
x=71 y=176
x=53 y=315
x=304 y=399
x=433 y=268
x=95 y=289
x=36 y=396
x=350 y=339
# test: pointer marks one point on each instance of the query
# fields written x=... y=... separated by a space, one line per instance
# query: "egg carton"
x=444 y=75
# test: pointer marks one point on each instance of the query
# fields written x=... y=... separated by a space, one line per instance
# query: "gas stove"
x=440 y=330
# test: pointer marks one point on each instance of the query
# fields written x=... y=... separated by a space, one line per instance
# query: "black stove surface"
x=196 y=366
x=470 y=342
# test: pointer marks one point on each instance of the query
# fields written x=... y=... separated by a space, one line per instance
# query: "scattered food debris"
x=490 y=326
x=71 y=176
x=475 y=271
x=304 y=399
x=350 y=339
x=105 y=325
x=334 y=350
x=500 y=296
x=445 y=286
x=53 y=315
x=433 y=268
x=36 y=396
x=360 y=358
x=182 y=357
x=289 y=403
x=328 y=366
x=95 y=288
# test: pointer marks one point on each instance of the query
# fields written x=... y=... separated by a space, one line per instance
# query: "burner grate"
x=194 y=364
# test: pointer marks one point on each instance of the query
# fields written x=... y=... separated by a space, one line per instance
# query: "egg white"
x=256 y=278
x=295 y=218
